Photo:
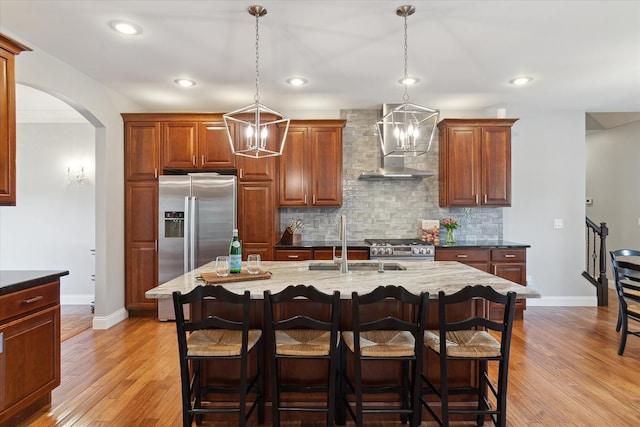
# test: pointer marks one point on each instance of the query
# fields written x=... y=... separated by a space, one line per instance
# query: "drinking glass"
x=222 y=266
x=253 y=264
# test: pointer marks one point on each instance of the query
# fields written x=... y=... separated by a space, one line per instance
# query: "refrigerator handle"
x=193 y=212
x=187 y=236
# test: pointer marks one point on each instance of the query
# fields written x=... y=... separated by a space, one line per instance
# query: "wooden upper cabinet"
x=311 y=164
x=258 y=169
x=179 y=145
x=214 y=151
x=142 y=150
x=475 y=162
x=9 y=48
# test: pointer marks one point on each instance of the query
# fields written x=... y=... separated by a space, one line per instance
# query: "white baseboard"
x=590 y=301
x=105 y=322
x=77 y=299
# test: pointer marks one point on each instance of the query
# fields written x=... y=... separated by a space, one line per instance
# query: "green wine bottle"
x=235 y=253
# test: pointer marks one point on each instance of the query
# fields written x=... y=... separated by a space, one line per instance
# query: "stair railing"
x=596 y=260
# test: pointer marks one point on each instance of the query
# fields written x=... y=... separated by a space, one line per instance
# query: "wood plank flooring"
x=564 y=371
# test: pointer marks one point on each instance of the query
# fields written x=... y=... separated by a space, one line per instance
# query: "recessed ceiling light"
x=184 y=82
x=297 y=81
x=409 y=81
x=520 y=81
x=124 y=27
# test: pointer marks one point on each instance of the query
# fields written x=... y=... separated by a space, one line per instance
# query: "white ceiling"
x=583 y=55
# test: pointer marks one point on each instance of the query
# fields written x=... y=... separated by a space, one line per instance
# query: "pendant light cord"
x=257 y=95
x=405 y=97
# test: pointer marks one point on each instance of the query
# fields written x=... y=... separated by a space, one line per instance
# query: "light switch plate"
x=558 y=223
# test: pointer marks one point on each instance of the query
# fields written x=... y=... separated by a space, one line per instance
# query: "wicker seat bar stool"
x=305 y=331
x=469 y=339
x=388 y=325
x=215 y=339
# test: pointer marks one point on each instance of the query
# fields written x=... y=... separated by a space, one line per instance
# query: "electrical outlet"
x=558 y=223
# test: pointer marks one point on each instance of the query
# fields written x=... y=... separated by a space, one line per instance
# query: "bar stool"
x=215 y=339
x=383 y=334
x=294 y=334
x=468 y=340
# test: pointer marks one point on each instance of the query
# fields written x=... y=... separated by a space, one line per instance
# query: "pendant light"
x=407 y=130
x=250 y=128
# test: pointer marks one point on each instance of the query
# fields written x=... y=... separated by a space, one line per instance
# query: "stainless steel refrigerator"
x=197 y=214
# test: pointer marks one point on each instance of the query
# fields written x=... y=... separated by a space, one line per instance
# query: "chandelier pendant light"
x=250 y=129
x=407 y=130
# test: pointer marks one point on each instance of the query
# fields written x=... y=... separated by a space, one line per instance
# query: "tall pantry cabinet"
x=157 y=144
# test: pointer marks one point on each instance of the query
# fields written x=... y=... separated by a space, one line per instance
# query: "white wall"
x=52 y=225
x=613 y=162
x=548 y=182
x=101 y=107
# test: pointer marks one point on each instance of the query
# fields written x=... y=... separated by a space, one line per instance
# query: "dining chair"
x=387 y=325
x=307 y=331
x=473 y=338
x=205 y=345
x=626 y=275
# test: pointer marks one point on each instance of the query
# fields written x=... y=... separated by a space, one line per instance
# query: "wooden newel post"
x=603 y=299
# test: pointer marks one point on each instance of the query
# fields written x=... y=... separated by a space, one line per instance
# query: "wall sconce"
x=76 y=175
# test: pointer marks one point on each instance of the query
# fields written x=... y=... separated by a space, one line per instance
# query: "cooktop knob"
x=374 y=251
x=416 y=251
x=388 y=251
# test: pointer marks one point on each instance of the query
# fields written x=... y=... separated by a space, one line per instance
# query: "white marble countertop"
x=419 y=276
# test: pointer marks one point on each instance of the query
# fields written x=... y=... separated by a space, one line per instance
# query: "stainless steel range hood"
x=392 y=167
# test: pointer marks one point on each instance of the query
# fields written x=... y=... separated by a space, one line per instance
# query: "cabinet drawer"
x=508 y=255
x=28 y=300
x=462 y=255
x=293 y=254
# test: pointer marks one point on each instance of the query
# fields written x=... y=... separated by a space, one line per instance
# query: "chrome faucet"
x=342 y=260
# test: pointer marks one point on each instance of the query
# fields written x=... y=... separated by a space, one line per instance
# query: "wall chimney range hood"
x=393 y=167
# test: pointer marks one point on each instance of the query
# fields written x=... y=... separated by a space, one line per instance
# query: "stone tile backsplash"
x=387 y=208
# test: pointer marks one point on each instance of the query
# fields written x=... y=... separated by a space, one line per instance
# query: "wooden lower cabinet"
x=256 y=218
x=318 y=254
x=510 y=264
x=30 y=356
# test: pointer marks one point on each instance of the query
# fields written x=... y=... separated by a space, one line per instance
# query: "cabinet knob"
x=202 y=160
x=293 y=257
x=462 y=256
x=32 y=300
x=509 y=255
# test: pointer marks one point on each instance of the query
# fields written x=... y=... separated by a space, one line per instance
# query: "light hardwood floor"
x=564 y=371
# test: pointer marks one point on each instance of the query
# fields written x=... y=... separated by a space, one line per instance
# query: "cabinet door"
x=294 y=169
x=7 y=129
x=214 y=150
x=30 y=360
x=142 y=150
x=496 y=166
x=256 y=218
x=326 y=176
x=179 y=148
x=141 y=257
x=463 y=169
x=251 y=169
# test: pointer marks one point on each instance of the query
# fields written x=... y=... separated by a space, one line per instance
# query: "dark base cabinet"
x=30 y=356
x=374 y=372
x=510 y=264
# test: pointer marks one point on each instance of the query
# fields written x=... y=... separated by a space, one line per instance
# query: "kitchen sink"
x=356 y=266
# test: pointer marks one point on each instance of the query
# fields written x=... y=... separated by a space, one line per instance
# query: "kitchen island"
x=418 y=277
x=30 y=341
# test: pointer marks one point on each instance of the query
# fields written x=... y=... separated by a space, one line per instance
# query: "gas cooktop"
x=400 y=248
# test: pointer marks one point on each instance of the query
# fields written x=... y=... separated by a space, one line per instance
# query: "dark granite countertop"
x=17 y=280
x=484 y=244
x=324 y=244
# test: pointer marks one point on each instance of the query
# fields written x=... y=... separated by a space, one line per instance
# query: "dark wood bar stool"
x=627 y=281
x=468 y=339
x=388 y=325
x=308 y=331
x=216 y=339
